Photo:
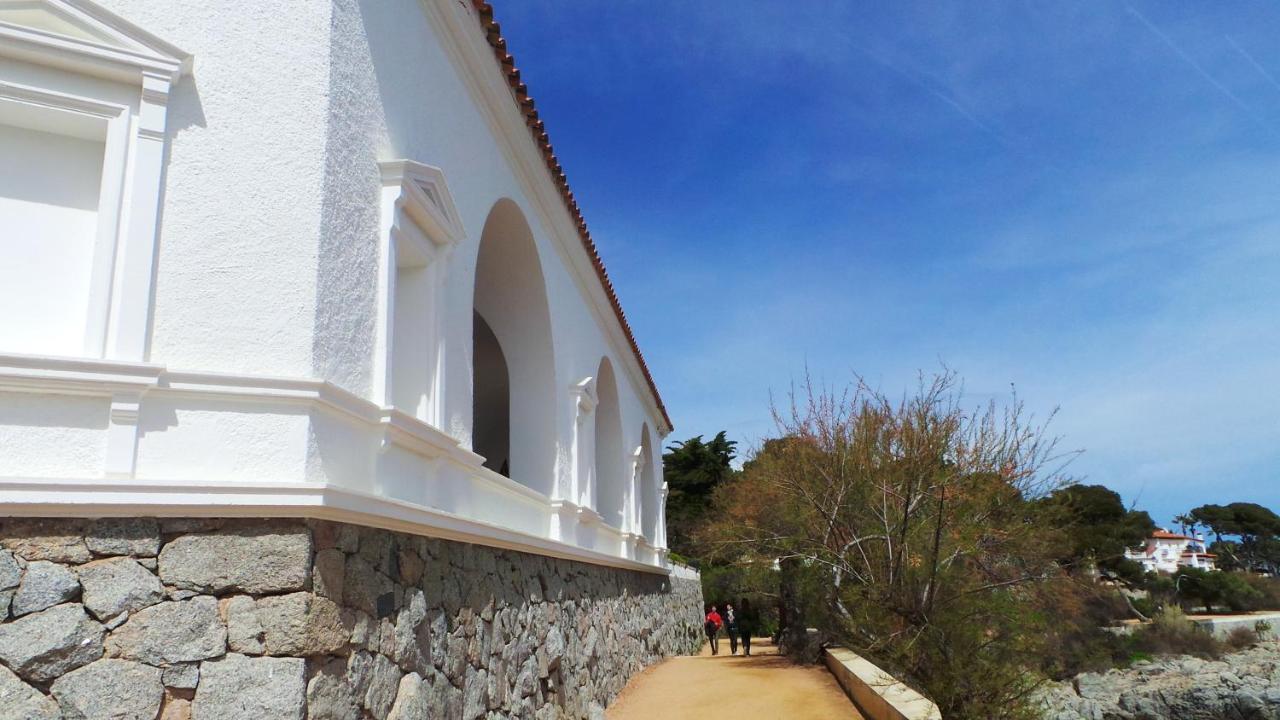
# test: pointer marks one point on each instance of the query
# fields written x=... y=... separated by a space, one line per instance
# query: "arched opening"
x=491 y=399
x=611 y=476
x=512 y=358
x=648 y=487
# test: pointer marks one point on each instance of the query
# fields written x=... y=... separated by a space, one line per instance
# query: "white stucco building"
x=311 y=258
x=1167 y=551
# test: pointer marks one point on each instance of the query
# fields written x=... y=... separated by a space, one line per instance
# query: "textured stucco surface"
x=45 y=436
x=286 y=618
x=236 y=279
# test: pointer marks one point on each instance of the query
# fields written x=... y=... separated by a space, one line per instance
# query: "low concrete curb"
x=1222 y=626
x=878 y=695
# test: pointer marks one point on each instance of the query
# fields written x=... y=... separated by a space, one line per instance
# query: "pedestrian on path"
x=712 y=626
x=731 y=628
x=748 y=622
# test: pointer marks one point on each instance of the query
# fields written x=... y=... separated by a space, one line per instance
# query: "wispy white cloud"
x=1256 y=65
x=1190 y=61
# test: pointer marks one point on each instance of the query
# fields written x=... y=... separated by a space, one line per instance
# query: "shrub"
x=1146 y=606
x=1171 y=633
x=1267 y=589
x=1217 y=590
x=1076 y=616
x=1242 y=637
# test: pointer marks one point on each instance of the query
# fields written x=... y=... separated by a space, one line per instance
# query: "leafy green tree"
x=1215 y=590
x=1186 y=523
x=1257 y=527
x=693 y=469
x=1097 y=527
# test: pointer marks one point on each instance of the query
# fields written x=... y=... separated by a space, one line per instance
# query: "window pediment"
x=425 y=199
x=80 y=36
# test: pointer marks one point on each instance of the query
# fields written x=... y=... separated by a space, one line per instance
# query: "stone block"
x=363 y=585
x=301 y=624
x=413 y=699
x=42 y=646
x=411 y=567
x=181 y=676
x=237 y=687
x=327 y=577
x=383 y=683
x=10 y=571
x=59 y=541
x=110 y=690
x=255 y=559
x=44 y=584
x=139 y=537
x=20 y=701
x=171 y=632
x=412 y=633
x=330 y=696
x=118 y=585
x=244 y=632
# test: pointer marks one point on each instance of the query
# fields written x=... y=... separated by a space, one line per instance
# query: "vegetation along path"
x=761 y=687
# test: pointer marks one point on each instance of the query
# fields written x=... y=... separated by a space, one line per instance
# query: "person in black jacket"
x=731 y=627
x=747 y=623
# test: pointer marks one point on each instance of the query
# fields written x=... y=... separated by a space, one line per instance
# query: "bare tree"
x=912 y=519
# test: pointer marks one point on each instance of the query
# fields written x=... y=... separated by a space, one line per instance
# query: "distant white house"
x=1166 y=551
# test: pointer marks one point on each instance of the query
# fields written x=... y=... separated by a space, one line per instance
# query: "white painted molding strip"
x=45 y=497
x=119 y=493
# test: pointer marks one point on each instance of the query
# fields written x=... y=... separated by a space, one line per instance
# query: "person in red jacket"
x=712 y=626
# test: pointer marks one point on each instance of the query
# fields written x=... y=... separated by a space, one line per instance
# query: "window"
x=420 y=226
x=83 y=104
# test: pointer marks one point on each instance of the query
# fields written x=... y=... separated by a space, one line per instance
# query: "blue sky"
x=1081 y=200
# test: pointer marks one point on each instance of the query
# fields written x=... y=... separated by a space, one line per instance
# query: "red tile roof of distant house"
x=520 y=92
x=1166 y=535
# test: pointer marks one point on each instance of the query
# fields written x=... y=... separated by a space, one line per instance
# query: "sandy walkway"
x=761 y=687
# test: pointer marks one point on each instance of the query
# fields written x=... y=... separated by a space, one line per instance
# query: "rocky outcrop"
x=175 y=619
x=1243 y=686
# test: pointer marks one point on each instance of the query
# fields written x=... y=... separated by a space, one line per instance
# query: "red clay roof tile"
x=520 y=92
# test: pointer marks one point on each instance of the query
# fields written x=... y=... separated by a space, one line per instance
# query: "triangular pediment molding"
x=425 y=198
x=82 y=36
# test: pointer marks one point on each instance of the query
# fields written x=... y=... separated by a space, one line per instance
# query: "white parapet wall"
x=878 y=695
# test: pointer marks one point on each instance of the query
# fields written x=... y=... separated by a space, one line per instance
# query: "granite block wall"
x=180 y=618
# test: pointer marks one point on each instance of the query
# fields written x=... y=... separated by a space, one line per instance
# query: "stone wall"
x=221 y=620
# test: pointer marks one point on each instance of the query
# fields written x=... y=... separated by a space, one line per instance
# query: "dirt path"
x=764 y=686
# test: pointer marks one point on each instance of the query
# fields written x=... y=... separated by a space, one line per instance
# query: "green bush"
x=1241 y=638
x=1267 y=589
x=1171 y=633
x=1147 y=606
x=1217 y=590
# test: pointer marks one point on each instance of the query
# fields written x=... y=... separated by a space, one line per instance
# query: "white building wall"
x=266 y=309
x=236 y=286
